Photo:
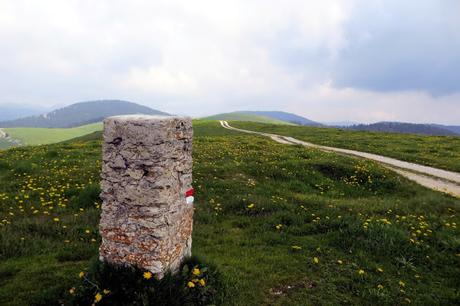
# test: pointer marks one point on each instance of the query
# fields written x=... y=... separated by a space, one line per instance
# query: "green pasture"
x=284 y=225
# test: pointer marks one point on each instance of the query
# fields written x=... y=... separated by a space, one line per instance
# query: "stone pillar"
x=146 y=220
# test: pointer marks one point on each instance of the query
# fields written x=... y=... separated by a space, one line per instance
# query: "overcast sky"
x=327 y=60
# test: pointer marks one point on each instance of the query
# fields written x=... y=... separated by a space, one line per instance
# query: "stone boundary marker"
x=147 y=210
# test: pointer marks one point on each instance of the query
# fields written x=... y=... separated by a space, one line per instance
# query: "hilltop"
x=286 y=117
x=241 y=116
x=276 y=117
x=80 y=114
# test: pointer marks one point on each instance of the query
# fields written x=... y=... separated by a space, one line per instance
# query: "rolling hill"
x=284 y=116
x=81 y=113
x=241 y=116
x=276 y=117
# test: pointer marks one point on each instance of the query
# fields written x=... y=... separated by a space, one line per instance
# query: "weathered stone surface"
x=147 y=168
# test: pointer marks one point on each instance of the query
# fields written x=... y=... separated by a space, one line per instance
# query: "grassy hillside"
x=36 y=136
x=246 y=117
x=437 y=151
x=283 y=224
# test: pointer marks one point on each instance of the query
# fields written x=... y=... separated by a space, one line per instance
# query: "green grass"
x=436 y=151
x=247 y=117
x=264 y=212
x=37 y=136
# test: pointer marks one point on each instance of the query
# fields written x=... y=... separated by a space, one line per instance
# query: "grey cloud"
x=403 y=45
x=331 y=59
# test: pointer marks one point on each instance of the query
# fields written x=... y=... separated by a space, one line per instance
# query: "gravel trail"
x=434 y=178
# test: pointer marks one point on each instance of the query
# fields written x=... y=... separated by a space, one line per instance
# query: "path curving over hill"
x=434 y=178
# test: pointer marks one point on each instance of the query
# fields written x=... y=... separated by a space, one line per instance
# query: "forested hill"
x=407 y=128
x=81 y=113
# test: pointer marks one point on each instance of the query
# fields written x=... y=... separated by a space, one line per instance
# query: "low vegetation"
x=283 y=225
x=114 y=285
x=436 y=151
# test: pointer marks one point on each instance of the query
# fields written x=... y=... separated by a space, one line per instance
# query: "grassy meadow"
x=436 y=151
x=39 y=136
x=284 y=225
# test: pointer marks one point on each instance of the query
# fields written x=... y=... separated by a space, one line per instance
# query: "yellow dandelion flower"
x=361 y=272
x=202 y=282
x=339 y=262
x=251 y=206
x=316 y=260
x=147 y=275
x=190 y=284
x=56 y=219
x=196 y=271
x=97 y=297
x=380 y=286
x=380 y=270
x=402 y=284
x=81 y=274
x=105 y=291
x=72 y=290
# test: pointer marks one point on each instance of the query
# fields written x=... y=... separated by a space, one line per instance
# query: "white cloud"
x=160 y=80
x=217 y=55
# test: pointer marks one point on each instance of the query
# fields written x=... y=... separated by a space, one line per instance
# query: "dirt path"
x=437 y=179
x=2 y=134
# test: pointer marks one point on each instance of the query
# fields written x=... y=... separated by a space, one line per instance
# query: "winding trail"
x=434 y=178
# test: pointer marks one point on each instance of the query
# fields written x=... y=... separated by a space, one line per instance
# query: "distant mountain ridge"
x=452 y=128
x=81 y=113
x=340 y=123
x=12 y=112
x=408 y=128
